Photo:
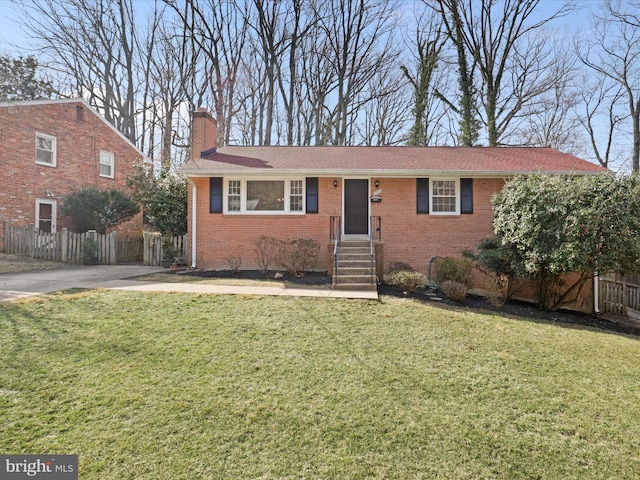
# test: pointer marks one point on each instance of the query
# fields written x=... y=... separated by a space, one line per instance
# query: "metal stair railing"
x=335 y=234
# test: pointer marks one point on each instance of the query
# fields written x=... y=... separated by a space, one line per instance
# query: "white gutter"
x=193 y=221
x=273 y=172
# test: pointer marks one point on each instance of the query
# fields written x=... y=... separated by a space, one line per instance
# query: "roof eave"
x=195 y=172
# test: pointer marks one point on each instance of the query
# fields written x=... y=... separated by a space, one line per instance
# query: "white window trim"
x=112 y=159
x=54 y=155
x=431 y=192
x=243 y=196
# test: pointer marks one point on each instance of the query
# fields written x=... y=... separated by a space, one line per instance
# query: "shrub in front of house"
x=396 y=266
x=294 y=256
x=266 y=249
x=298 y=255
x=454 y=290
x=407 y=280
x=459 y=270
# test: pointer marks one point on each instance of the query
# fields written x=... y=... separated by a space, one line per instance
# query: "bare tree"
x=551 y=120
x=358 y=37
x=428 y=47
x=270 y=28
x=218 y=29
x=387 y=111
x=316 y=86
x=599 y=113
x=172 y=81
x=449 y=12
x=302 y=21
x=512 y=57
x=613 y=52
x=91 y=44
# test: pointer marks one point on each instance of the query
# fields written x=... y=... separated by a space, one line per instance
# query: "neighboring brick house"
x=48 y=148
x=417 y=202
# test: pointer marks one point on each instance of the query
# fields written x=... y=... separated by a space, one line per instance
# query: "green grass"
x=179 y=386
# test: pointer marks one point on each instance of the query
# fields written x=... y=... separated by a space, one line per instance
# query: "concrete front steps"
x=355 y=270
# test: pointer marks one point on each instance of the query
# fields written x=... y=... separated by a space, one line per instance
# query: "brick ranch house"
x=48 y=148
x=415 y=202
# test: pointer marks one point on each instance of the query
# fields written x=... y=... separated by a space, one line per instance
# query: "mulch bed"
x=511 y=308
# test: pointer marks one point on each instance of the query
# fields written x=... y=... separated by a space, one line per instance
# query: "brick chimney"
x=204 y=130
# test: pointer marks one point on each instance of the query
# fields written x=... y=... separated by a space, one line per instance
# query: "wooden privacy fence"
x=111 y=248
x=619 y=294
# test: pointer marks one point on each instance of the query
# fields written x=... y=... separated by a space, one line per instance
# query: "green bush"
x=496 y=261
x=453 y=269
x=94 y=209
x=408 y=280
x=163 y=198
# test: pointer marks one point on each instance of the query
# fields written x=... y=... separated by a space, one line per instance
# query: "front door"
x=356 y=206
x=46 y=215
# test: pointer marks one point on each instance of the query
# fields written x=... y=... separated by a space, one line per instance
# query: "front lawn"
x=180 y=386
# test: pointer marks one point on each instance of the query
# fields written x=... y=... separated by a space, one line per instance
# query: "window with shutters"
x=265 y=196
x=444 y=196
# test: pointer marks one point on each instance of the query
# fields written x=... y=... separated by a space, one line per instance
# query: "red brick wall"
x=416 y=238
x=79 y=141
x=407 y=236
x=222 y=236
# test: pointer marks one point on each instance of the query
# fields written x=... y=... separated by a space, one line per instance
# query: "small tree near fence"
x=93 y=209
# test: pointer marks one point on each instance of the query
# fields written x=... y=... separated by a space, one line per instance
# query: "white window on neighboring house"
x=265 y=196
x=45 y=150
x=106 y=164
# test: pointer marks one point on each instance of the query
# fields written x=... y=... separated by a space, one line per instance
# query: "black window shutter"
x=466 y=195
x=215 y=195
x=422 y=191
x=312 y=194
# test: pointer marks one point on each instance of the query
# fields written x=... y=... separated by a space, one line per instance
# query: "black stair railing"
x=335 y=226
x=375 y=233
x=376 y=227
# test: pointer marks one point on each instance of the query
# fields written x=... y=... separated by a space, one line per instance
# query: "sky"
x=11 y=33
x=14 y=42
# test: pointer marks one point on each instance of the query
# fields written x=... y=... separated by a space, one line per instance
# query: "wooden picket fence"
x=66 y=246
x=154 y=249
x=619 y=294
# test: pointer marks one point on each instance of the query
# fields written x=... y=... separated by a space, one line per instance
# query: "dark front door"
x=356 y=207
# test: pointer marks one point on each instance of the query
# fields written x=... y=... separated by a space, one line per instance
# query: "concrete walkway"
x=26 y=284
x=235 y=290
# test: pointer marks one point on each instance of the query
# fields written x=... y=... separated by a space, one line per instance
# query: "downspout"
x=194 y=195
x=596 y=294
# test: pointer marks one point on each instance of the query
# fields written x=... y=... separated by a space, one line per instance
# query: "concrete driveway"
x=26 y=284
